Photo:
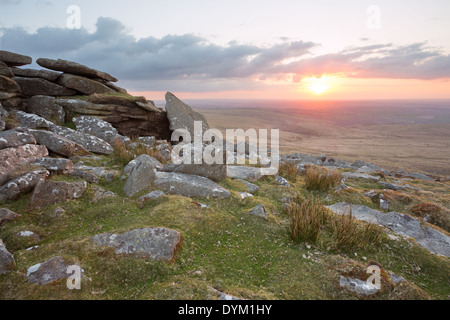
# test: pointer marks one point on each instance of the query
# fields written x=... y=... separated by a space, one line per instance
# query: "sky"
x=246 y=49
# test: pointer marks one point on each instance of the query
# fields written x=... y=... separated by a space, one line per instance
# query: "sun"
x=318 y=86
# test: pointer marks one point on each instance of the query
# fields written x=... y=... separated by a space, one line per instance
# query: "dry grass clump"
x=348 y=232
x=433 y=214
x=123 y=153
x=320 y=179
x=306 y=219
x=289 y=171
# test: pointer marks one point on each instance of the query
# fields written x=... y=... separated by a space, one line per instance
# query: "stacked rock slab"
x=60 y=88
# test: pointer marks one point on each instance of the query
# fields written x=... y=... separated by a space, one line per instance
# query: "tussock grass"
x=123 y=153
x=433 y=214
x=320 y=179
x=349 y=233
x=306 y=219
x=289 y=171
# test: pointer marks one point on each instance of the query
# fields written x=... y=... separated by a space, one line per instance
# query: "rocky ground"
x=86 y=180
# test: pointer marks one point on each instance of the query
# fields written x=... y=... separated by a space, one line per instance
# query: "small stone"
x=259 y=211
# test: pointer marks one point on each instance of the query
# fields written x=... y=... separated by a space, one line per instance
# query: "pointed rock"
x=181 y=116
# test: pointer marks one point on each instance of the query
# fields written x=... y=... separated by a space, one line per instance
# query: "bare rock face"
x=48 y=272
x=140 y=178
x=123 y=113
x=14 y=188
x=7 y=215
x=7 y=262
x=8 y=85
x=83 y=85
x=38 y=86
x=46 y=107
x=140 y=159
x=89 y=142
x=14 y=59
x=157 y=243
x=33 y=73
x=5 y=70
x=181 y=116
x=3 y=114
x=243 y=172
x=31 y=121
x=56 y=165
x=96 y=127
x=50 y=192
x=73 y=68
x=58 y=144
x=189 y=185
x=10 y=158
x=215 y=172
x=15 y=137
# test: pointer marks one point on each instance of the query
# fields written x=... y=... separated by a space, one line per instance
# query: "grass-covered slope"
x=223 y=247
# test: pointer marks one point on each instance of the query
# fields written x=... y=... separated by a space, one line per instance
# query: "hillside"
x=86 y=180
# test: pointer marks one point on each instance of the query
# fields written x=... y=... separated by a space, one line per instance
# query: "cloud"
x=190 y=61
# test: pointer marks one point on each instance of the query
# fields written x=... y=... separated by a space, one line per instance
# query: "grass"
x=349 y=233
x=223 y=247
x=123 y=153
x=306 y=219
x=320 y=179
x=433 y=214
x=289 y=171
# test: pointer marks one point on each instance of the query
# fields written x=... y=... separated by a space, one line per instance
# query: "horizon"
x=356 y=50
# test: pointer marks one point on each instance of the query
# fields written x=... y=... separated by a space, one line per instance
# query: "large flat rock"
x=14 y=59
x=33 y=73
x=189 y=185
x=157 y=243
x=74 y=68
x=39 y=86
x=83 y=85
x=16 y=137
x=58 y=144
x=428 y=237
